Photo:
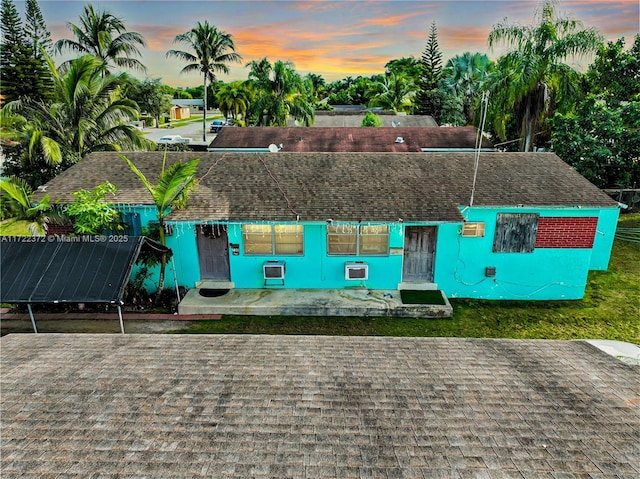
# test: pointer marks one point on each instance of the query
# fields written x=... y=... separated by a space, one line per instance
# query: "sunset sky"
x=334 y=39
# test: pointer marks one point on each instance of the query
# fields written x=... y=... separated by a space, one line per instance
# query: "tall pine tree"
x=23 y=70
x=39 y=40
x=429 y=99
x=36 y=29
x=13 y=52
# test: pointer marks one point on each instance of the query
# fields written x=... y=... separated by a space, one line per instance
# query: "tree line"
x=56 y=114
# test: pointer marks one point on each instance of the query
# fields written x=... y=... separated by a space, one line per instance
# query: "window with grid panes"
x=374 y=240
x=273 y=239
x=475 y=230
x=358 y=240
x=288 y=239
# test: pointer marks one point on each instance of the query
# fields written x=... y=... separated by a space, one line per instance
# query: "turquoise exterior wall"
x=147 y=214
x=316 y=269
x=545 y=273
x=459 y=268
x=185 y=255
x=601 y=254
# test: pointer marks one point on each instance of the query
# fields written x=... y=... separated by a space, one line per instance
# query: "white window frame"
x=356 y=231
x=473 y=230
x=271 y=234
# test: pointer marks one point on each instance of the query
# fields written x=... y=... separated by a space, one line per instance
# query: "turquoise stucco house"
x=528 y=227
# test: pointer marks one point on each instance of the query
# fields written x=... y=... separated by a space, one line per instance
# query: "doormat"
x=212 y=293
x=422 y=297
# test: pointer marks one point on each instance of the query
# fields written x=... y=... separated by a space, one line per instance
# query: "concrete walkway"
x=311 y=302
x=627 y=352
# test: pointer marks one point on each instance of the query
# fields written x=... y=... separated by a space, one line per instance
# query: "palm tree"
x=525 y=76
x=409 y=66
x=465 y=75
x=21 y=158
x=392 y=92
x=348 y=81
x=210 y=52
x=233 y=99
x=18 y=203
x=171 y=191
x=88 y=114
x=316 y=86
x=281 y=93
x=104 y=36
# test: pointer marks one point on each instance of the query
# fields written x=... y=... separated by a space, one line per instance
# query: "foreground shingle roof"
x=314 y=407
x=349 y=139
x=342 y=186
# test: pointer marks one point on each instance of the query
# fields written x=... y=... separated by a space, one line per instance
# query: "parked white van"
x=173 y=140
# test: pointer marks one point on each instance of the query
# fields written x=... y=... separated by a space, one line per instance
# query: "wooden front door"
x=419 y=253
x=213 y=252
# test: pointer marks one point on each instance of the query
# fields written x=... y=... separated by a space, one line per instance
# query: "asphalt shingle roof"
x=342 y=186
x=314 y=407
x=348 y=139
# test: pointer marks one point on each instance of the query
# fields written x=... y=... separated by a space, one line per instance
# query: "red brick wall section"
x=560 y=232
x=59 y=230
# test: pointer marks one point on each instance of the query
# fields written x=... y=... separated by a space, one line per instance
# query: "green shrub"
x=371 y=119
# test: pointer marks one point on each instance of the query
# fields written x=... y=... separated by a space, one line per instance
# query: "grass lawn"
x=12 y=227
x=610 y=310
x=196 y=118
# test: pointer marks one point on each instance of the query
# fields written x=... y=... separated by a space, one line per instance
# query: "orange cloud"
x=160 y=37
x=463 y=35
x=607 y=3
x=318 y=6
x=389 y=21
x=59 y=31
x=304 y=48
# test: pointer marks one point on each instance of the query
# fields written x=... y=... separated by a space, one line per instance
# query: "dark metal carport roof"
x=68 y=269
x=52 y=269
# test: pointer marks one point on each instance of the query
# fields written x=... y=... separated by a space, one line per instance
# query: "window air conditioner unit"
x=356 y=270
x=274 y=270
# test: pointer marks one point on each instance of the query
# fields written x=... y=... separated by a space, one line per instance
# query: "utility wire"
x=284 y=195
x=213 y=166
x=485 y=101
x=628 y=234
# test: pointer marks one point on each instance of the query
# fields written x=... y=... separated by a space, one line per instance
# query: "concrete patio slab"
x=624 y=351
x=310 y=302
x=239 y=406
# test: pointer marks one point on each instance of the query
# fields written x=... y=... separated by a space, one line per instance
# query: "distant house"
x=179 y=112
x=181 y=109
x=189 y=103
x=348 y=139
x=529 y=228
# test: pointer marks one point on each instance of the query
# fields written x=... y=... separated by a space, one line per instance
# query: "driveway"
x=191 y=130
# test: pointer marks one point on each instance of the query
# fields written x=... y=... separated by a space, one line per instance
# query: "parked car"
x=217 y=125
x=172 y=140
